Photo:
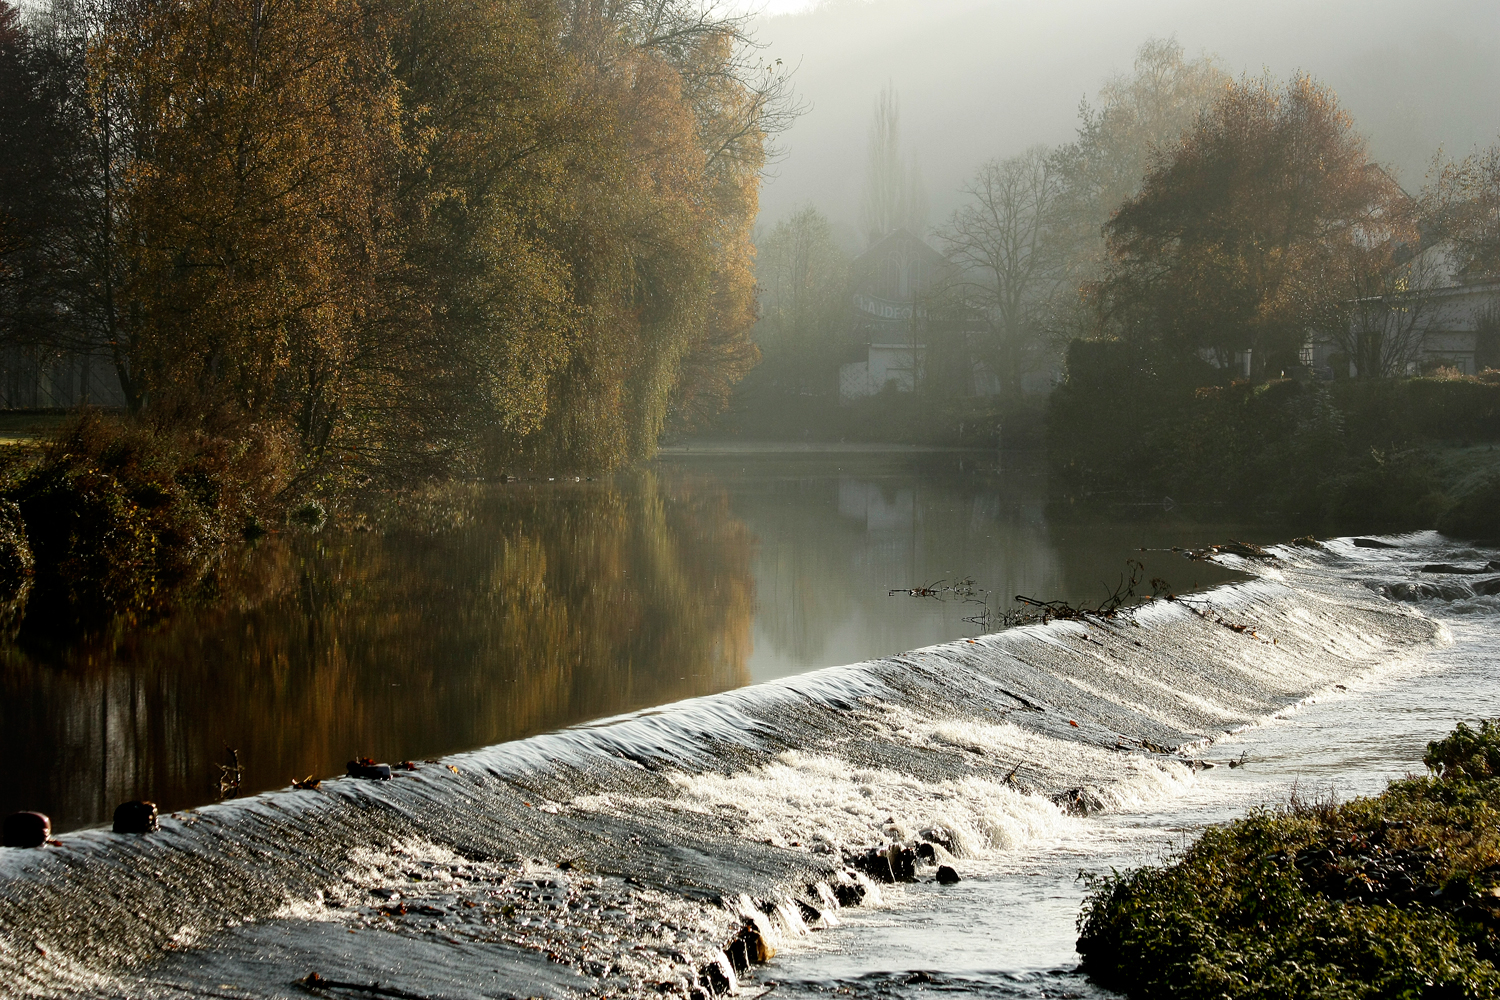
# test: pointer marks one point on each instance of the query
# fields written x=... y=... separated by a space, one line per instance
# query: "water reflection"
x=541 y=605
x=550 y=605
x=836 y=531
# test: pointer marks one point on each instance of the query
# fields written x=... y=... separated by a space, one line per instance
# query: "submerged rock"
x=947 y=876
x=1078 y=801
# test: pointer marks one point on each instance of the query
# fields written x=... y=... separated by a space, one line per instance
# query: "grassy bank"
x=1392 y=896
x=1367 y=455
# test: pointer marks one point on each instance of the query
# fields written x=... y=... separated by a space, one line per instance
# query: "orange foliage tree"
x=420 y=235
x=1253 y=228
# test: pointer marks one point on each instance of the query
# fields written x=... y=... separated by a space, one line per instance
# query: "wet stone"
x=363 y=767
x=946 y=875
x=136 y=817
x=27 y=829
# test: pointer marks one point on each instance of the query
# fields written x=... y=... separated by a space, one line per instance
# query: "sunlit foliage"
x=1392 y=896
x=421 y=236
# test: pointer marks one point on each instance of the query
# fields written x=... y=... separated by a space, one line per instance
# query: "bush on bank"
x=1392 y=896
x=1361 y=455
x=111 y=515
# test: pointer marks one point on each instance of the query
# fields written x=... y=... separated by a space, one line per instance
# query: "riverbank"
x=1350 y=455
x=107 y=518
x=1392 y=895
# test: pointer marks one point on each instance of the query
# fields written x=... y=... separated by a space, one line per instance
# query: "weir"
x=657 y=851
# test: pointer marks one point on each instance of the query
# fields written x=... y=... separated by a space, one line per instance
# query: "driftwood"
x=231 y=775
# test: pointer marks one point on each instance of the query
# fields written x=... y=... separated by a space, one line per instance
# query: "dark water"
x=535 y=605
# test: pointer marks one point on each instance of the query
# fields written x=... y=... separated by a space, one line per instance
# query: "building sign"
x=882 y=308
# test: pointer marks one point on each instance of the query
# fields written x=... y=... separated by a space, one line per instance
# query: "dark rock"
x=1373 y=543
x=1078 y=802
x=1419 y=590
x=1458 y=570
x=946 y=875
x=713 y=977
x=1246 y=550
x=849 y=893
x=876 y=864
x=739 y=958
x=364 y=767
x=937 y=835
x=810 y=913
x=136 y=817
x=27 y=829
x=749 y=947
x=903 y=862
x=927 y=853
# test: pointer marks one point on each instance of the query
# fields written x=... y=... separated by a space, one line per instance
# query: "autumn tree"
x=1005 y=241
x=1134 y=123
x=41 y=216
x=1465 y=205
x=1252 y=230
x=23 y=180
x=417 y=236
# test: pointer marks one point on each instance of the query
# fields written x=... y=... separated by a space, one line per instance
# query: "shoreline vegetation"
x=1347 y=456
x=1396 y=895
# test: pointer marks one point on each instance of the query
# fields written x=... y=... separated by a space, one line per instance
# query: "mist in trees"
x=894 y=196
x=1006 y=240
x=1255 y=229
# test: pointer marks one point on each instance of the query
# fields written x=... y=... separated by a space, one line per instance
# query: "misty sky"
x=981 y=78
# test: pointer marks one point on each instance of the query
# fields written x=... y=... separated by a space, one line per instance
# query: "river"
x=520 y=608
x=591 y=832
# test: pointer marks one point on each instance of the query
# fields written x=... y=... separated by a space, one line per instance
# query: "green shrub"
x=1475 y=510
x=1392 y=896
x=1350 y=455
x=1466 y=755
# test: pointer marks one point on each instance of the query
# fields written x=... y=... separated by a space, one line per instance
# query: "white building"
x=905 y=330
x=1448 y=319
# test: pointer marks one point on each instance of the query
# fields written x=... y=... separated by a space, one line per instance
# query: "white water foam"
x=720 y=810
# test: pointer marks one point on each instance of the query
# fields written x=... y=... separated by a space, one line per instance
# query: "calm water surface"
x=536 y=605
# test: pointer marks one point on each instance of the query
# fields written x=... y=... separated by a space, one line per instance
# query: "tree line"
x=415 y=237
x=1194 y=213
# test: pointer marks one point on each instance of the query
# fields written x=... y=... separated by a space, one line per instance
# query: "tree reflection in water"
x=544 y=605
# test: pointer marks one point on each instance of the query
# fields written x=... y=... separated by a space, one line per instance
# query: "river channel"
x=673 y=704
x=538 y=604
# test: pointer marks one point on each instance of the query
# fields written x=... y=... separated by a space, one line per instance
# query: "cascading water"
x=623 y=856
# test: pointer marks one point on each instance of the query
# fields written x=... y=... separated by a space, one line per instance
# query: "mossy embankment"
x=1350 y=455
x=1392 y=896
